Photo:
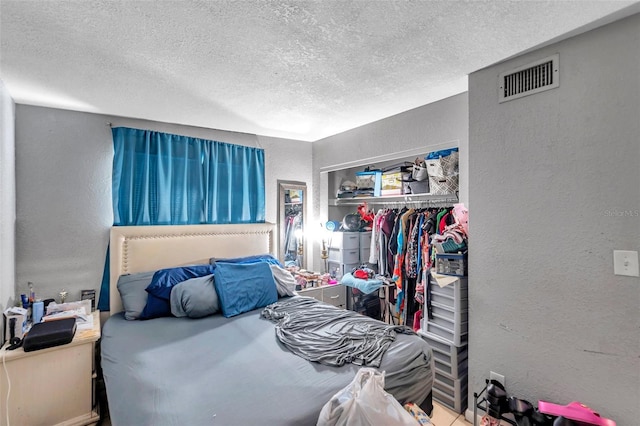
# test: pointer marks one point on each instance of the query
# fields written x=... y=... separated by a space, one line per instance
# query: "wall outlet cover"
x=497 y=377
x=625 y=263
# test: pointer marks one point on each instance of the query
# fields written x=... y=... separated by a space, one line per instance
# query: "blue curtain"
x=165 y=179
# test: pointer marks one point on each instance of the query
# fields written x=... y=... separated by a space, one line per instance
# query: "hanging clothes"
x=403 y=249
x=293 y=225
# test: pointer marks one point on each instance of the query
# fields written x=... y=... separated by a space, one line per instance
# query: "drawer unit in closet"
x=341 y=268
x=449 y=319
x=365 y=246
x=334 y=295
x=450 y=393
x=364 y=254
x=453 y=296
x=449 y=359
x=447 y=331
x=449 y=312
x=344 y=240
x=344 y=255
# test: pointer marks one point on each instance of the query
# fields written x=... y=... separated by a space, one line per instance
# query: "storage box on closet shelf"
x=452 y=263
x=394 y=178
x=391 y=184
x=442 y=168
x=417 y=182
x=370 y=181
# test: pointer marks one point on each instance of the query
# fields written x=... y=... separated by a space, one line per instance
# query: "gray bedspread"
x=323 y=333
x=233 y=371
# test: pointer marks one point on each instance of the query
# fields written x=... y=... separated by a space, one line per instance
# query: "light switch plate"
x=625 y=263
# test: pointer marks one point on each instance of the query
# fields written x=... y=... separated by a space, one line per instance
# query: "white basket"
x=443 y=166
x=441 y=185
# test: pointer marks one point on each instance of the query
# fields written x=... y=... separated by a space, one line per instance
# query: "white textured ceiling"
x=293 y=69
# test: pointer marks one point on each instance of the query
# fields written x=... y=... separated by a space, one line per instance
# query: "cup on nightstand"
x=37 y=311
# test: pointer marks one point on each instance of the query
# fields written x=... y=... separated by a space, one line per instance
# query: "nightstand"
x=54 y=385
x=332 y=294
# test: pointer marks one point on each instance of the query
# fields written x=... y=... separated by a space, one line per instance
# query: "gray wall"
x=63 y=181
x=7 y=200
x=438 y=125
x=554 y=181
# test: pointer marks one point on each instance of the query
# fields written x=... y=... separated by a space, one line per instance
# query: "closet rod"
x=431 y=200
x=418 y=203
x=434 y=201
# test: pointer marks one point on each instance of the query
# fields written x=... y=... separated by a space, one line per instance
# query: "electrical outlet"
x=625 y=263
x=497 y=377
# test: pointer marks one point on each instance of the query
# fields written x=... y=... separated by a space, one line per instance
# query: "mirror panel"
x=292 y=201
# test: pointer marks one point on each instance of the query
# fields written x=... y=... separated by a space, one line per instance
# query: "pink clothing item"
x=575 y=411
x=461 y=214
x=443 y=223
x=416 y=320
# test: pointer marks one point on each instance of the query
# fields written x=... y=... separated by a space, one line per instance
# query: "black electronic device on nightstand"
x=48 y=334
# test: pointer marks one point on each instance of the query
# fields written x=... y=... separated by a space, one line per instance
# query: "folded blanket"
x=365 y=286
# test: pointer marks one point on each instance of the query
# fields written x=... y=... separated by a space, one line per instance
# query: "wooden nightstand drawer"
x=334 y=295
x=316 y=293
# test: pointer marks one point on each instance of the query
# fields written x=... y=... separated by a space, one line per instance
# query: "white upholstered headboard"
x=149 y=248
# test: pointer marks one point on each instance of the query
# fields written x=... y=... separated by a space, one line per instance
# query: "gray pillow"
x=195 y=298
x=132 y=292
x=285 y=282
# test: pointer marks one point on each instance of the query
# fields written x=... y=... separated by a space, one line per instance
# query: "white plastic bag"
x=364 y=402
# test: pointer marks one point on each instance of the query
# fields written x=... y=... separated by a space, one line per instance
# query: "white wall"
x=438 y=125
x=7 y=200
x=286 y=160
x=554 y=181
x=63 y=179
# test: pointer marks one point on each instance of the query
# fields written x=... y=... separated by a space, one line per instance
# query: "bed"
x=217 y=370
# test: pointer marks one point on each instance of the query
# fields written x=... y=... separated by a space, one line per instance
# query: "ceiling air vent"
x=529 y=79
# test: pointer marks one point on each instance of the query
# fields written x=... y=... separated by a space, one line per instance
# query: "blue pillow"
x=244 y=287
x=155 y=308
x=164 y=279
x=267 y=258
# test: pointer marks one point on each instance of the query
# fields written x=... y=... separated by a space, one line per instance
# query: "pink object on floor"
x=575 y=411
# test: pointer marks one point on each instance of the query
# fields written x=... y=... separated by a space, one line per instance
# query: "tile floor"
x=442 y=416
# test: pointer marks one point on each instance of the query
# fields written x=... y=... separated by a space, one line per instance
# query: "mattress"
x=233 y=371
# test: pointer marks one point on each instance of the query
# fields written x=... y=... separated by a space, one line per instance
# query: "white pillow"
x=285 y=283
